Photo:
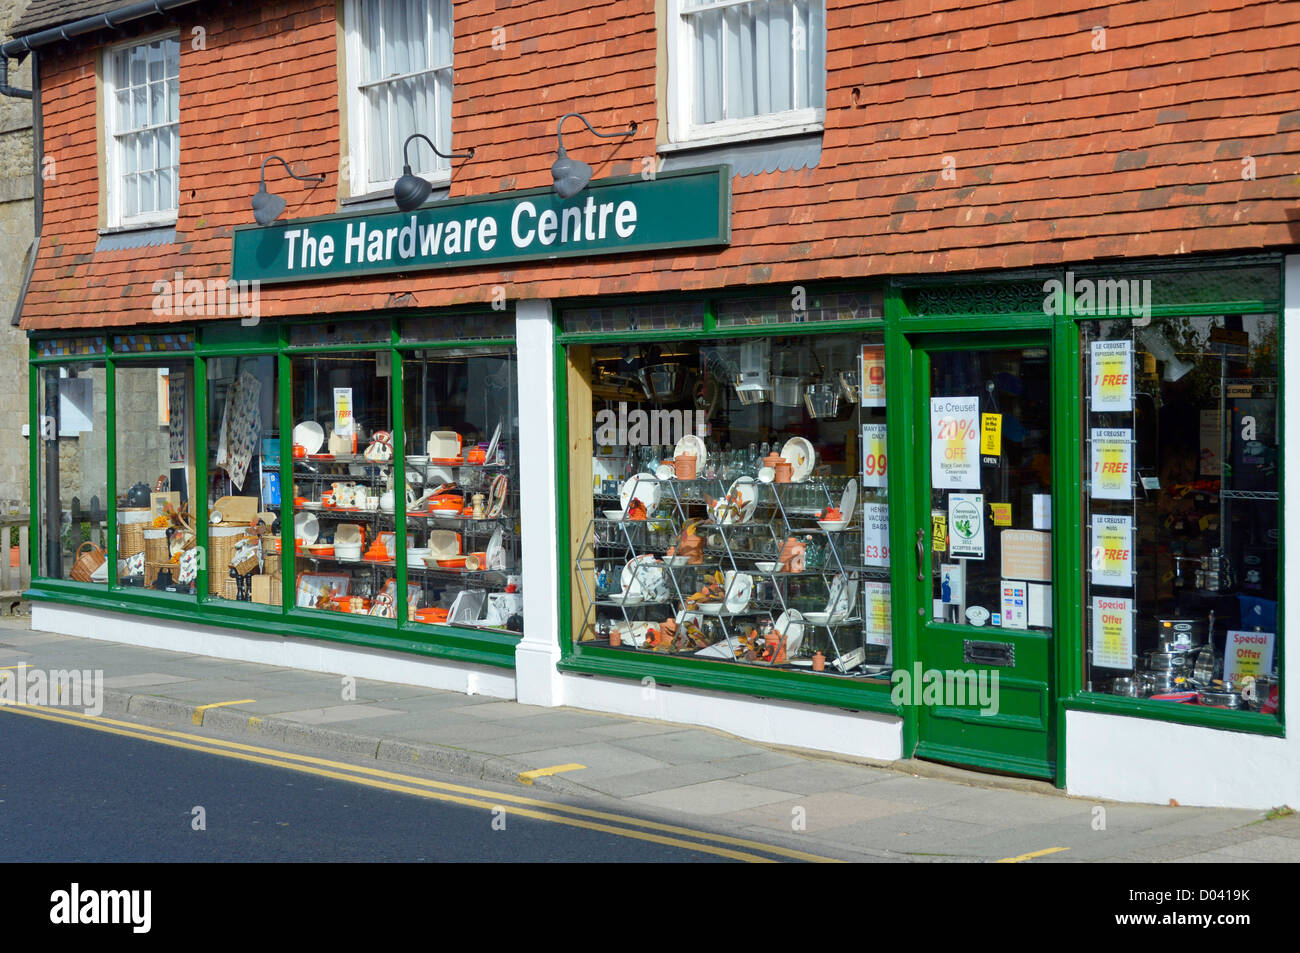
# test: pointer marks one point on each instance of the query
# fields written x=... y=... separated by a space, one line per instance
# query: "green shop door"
x=981 y=686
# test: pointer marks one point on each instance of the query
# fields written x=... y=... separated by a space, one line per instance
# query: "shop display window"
x=72 y=429
x=1182 y=522
x=737 y=508
x=243 y=490
x=462 y=488
x=154 y=443
x=344 y=533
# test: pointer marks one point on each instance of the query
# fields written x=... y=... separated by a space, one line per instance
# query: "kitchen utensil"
x=822 y=400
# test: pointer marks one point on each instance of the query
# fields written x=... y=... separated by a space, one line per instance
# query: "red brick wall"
x=1059 y=152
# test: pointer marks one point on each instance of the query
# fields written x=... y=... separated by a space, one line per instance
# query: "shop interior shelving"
x=733 y=545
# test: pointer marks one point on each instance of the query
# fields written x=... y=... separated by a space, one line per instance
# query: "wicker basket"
x=229 y=587
x=221 y=546
x=155 y=546
x=151 y=570
x=131 y=524
x=89 y=558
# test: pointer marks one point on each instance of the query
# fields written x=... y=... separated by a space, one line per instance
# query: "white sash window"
x=743 y=66
x=142 y=111
x=399 y=82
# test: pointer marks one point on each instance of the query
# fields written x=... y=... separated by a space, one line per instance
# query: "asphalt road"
x=72 y=794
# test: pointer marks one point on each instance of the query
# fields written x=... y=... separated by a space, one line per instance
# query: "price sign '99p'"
x=873 y=455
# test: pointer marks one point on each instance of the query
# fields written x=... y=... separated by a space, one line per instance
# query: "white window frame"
x=358 y=165
x=114 y=219
x=681 y=90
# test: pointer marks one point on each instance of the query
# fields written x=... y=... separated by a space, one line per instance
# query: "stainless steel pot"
x=1127 y=687
x=1178 y=662
x=1219 y=699
x=1157 y=683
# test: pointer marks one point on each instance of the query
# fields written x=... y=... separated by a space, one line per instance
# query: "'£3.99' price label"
x=875 y=534
x=873 y=455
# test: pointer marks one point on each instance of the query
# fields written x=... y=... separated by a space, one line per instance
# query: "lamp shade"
x=411 y=191
x=571 y=175
x=266 y=207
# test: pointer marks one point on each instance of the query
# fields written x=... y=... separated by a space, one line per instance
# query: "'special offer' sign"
x=611 y=216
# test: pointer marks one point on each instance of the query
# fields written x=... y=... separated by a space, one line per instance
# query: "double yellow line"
x=720 y=845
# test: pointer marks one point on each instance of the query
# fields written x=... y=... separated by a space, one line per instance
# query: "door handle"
x=920 y=556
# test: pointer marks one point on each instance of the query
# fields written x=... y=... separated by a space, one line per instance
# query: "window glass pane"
x=1182 y=528
x=244 y=478
x=72 y=482
x=122 y=110
x=172 y=48
x=148 y=192
x=738 y=509
x=139 y=58
x=154 y=453
x=157 y=103
x=130 y=195
x=463 y=553
x=154 y=52
x=139 y=107
x=344 y=541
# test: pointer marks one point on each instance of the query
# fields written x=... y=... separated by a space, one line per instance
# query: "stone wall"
x=16 y=230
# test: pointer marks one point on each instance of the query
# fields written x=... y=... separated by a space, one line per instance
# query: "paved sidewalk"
x=694 y=776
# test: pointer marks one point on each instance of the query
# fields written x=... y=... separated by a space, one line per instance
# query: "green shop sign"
x=611 y=216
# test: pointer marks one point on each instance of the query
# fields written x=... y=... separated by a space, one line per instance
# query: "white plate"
x=977 y=615
x=644 y=487
x=692 y=444
x=747 y=491
x=791 y=625
x=310 y=435
x=306 y=527
x=766 y=474
x=625 y=598
x=817 y=618
x=492 y=444
x=645 y=576
x=849 y=500
x=737 y=587
x=799 y=453
x=496 y=551
x=843 y=597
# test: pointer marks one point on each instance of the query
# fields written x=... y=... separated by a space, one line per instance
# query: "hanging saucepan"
x=662 y=381
x=822 y=400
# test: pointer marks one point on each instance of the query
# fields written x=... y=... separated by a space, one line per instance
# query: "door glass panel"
x=990 y=496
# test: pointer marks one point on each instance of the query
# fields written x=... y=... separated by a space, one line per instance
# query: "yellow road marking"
x=1030 y=856
x=526 y=777
x=198 y=712
x=475 y=797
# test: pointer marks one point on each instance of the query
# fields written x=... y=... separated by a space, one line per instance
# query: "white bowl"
x=832 y=526
x=615 y=515
x=625 y=598
x=766 y=567
x=676 y=562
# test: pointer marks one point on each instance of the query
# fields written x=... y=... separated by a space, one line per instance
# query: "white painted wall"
x=1137 y=759
x=816 y=727
x=287 y=652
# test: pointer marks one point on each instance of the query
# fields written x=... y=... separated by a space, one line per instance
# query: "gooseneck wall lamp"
x=268 y=206
x=411 y=191
x=572 y=175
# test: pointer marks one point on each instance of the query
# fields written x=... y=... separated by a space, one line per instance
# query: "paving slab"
x=144 y=678
x=811 y=777
x=709 y=797
x=909 y=832
x=691 y=745
x=599 y=758
x=816 y=813
x=661 y=779
x=326 y=716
